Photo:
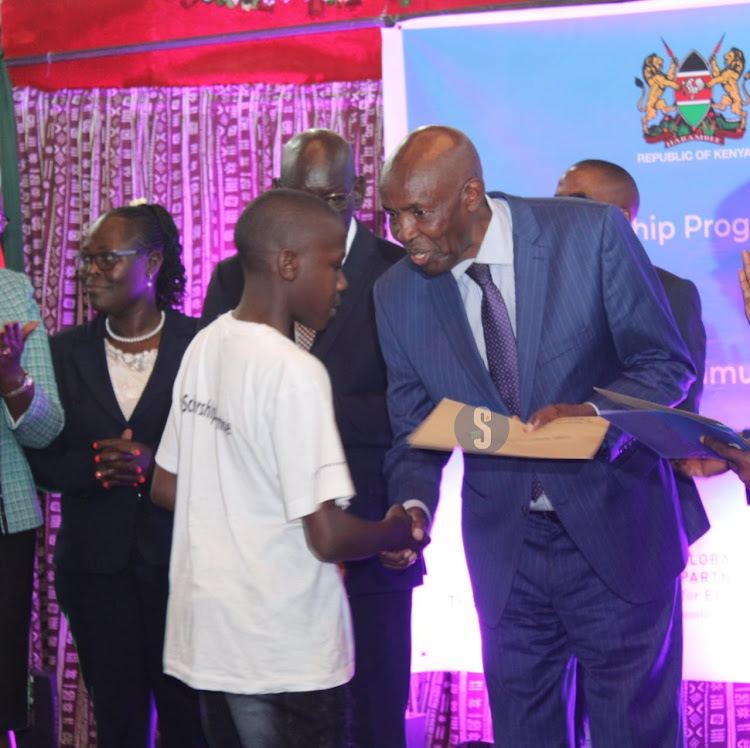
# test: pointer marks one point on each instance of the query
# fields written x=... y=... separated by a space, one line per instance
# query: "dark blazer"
x=349 y=349
x=685 y=303
x=590 y=312
x=100 y=527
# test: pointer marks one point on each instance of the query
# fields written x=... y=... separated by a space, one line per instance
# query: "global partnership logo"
x=694 y=99
x=476 y=429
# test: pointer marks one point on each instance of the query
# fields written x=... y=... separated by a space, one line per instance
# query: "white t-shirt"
x=253 y=441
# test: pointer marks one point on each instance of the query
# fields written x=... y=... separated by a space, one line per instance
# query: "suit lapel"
x=91 y=361
x=358 y=271
x=170 y=350
x=531 y=267
x=450 y=314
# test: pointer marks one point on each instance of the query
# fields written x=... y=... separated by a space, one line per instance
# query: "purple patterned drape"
x=456 y=710
x=203 y=153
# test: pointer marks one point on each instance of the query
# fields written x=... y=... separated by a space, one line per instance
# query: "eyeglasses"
x=104 y=260
x=338 y=200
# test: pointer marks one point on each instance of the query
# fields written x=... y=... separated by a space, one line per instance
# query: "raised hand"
x=744 y=274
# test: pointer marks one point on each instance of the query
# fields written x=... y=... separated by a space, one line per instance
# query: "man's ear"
x=288 y=261
x=276 y=183
x=359 y=190
x=472 y=194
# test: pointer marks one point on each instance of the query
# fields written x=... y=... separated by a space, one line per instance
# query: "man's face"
x=428 y=215
x=320 y=278
x=579 y=182
x=333 y=182
x=588 y=182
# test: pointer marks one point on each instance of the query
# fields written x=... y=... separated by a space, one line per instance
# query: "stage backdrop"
x=659 y=88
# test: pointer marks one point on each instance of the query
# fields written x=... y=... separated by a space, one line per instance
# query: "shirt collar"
x=497 y=244
x=350 y=234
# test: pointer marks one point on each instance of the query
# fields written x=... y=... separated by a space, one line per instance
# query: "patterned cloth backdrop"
x=203 y=153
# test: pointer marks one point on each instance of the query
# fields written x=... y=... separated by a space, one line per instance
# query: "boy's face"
x=320 y=279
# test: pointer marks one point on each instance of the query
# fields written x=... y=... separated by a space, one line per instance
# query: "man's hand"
x=732 y=458
x=700 y=467
x=744 y=274
x=561 y=410
x=401 y=559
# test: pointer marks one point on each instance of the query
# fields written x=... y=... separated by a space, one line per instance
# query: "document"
x=670 y=432
x=481 y=431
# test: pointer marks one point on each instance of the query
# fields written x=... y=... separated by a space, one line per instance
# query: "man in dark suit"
x=606 y=182
x=321 y=162
x=570 y=561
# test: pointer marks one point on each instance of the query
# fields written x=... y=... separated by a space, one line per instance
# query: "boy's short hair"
x=277 y=219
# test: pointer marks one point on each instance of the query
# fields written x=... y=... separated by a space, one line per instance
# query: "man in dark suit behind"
x=606 y=182
x=321 y=162
x=570 y=561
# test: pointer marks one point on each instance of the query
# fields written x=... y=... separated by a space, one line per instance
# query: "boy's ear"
x=288 y=261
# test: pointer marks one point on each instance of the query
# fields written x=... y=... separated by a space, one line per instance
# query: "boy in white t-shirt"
x=252 y=463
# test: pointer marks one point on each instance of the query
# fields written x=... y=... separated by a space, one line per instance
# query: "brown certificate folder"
x=481 y=431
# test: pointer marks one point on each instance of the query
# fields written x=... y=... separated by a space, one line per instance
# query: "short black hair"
x=279 y=218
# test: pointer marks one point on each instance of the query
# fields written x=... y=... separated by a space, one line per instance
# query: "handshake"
x=410 y=537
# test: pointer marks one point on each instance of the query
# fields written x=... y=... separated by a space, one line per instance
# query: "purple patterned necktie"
x=500 y=342
x=502 y=356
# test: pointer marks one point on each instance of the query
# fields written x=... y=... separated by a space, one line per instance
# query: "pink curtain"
x=203 y=153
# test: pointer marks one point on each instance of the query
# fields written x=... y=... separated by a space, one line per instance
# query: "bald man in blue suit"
x=585 y=570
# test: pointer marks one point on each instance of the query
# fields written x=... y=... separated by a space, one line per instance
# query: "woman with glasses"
x=115 y=377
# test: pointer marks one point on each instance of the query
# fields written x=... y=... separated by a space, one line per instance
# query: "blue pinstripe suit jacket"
x=590 y=312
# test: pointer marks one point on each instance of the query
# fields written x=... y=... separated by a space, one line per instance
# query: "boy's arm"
x=334 y=535
x=164 y=488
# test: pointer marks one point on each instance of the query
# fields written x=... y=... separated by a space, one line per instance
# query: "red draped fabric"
x=42 y=27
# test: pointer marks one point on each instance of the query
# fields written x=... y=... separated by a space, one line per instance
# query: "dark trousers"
x=560 y=616
x=380 y=687
x=117 y=622
x=309 y=719
x=16 y=585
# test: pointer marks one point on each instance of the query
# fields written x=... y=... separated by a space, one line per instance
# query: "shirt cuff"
x=417 y=503
x=596 y=410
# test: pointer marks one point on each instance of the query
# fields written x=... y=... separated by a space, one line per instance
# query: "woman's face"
x=122 y=287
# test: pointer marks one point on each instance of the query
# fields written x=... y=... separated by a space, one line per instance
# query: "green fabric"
x=9 y=176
